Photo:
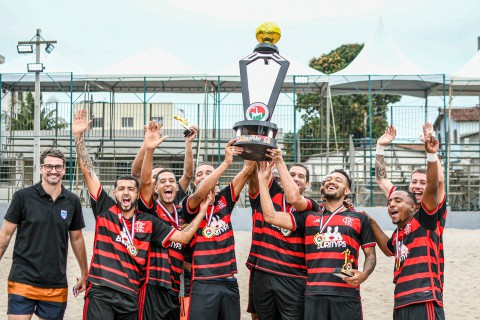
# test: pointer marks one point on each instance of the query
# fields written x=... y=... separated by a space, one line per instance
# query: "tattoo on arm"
x=380 y=172
x=83 y=155
x=369 y=265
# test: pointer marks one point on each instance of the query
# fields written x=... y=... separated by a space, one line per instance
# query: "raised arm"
x=380 y=170
x=380 y=237
x=152 y=139
x=368 y=266
x=278 y=218
x=429 y=198
x=211 y=180
x=79 y=126
x=188 y=166
x=184 y=236
x=253 y=186
x=242 y=177
x=292 y=193
x=441 y=176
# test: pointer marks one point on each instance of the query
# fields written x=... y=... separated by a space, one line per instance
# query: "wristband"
x=432 y=157
x=380 y=150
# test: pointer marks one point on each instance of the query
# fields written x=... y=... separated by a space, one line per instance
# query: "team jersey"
x=282 y=251
x=115 y=262
x=213 y=245
x=165 y=265
x=328 y=237
x=418 y=264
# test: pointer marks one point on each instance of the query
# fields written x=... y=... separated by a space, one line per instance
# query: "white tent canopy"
x=384 y=68
x=466 y=81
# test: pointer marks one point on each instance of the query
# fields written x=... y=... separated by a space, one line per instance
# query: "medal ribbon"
x=130 y=236
x=398 y=253
x=285 y=204
x=323 y=226
x=209 y=217
x=174 y=220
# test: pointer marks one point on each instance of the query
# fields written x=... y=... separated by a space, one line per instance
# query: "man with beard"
x=44 y=215
x=277 y=256
x=327 y=296
x=415 y=244
x=184 y=181
x=158 y=297
x=214 y=293
x=123 y=237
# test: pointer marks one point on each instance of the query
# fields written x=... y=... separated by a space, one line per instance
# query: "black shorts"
x=278 y=297
x=426 y=311
x=104 y=303
x=19 y=305
x=323 y=307
x=251 y=305
x=155 y=302
x=215 y=299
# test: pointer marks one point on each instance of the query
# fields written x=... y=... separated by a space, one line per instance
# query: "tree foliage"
x=23 y=118
x=350 y=113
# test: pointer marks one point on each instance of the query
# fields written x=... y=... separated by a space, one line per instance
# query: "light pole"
x=37 y=67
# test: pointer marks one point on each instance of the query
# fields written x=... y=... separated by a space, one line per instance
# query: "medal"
x=285 y=232
x=318 y=238
x=208 y=232
x=174 y=218
x=132 y=249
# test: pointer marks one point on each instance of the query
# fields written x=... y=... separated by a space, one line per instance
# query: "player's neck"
x=333 y=205
x=168 y=206
x=128 y=214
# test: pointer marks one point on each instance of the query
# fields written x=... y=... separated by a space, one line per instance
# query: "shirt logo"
x=219 y=225
x=348 y=221
x=63 y=214
x=332 y=239
x=408 y=229
x=221 y=204
x=139 y=226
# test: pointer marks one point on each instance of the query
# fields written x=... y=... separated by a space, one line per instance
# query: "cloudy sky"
x=439 y=35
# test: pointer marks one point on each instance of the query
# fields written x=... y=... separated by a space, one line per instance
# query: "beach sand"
x=461 y=289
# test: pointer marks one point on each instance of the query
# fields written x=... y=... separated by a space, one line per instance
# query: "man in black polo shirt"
x=44 y=215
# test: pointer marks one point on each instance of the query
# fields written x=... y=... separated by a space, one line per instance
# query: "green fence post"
x=71 y=134
x=145 y=100
x=294 y=123
x=446 y=159
x=370 y=136
x=218 y=120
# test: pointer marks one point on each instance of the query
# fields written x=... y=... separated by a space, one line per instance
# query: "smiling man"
x=45 y=215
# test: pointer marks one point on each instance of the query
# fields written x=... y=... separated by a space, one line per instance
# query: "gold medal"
x=285 y=232
x=397 y=263
x=318 y=239
x=208 y=232
x=132 y=249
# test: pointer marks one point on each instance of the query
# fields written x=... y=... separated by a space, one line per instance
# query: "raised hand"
x=431 y=143
x=388 y=136
x=427 y=129
x=265 y=171
x=275 y=155
x=80 y=123
x=153 y=135
x=193 y=135
x=230 y=150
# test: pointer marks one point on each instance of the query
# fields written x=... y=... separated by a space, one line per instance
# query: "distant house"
x=463 y=123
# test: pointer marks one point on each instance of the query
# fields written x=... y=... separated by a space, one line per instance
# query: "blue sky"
x=439 y=35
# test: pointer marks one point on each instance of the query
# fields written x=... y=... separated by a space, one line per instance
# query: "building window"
x=127 y=122
x=97 y=122
x=157 y=119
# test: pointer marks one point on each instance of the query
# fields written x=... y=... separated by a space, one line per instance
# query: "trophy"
x=184 y=124
x=345 y=270
x=262 y=74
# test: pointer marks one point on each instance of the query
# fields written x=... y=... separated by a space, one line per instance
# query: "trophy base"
x=342 y=273
x=255 y=147
x=187 y=132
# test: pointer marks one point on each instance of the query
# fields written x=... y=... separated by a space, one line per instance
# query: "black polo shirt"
x=41 y=245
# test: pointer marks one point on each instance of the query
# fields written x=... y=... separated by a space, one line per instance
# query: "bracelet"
x=380 y=150
x=432 y=157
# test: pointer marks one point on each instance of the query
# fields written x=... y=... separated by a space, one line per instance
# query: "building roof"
x=470 y=114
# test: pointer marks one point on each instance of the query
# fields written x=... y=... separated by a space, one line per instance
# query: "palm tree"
x=24 y=118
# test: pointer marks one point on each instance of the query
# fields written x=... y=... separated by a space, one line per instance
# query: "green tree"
x=24 y=118
x=349 y=112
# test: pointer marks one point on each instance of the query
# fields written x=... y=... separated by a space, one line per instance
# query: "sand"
x=461 y=289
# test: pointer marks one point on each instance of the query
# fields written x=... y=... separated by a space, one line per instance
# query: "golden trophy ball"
x=268 y=32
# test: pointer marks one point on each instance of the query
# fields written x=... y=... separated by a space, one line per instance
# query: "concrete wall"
x=242 y=219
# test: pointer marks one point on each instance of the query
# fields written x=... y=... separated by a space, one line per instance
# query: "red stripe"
x=215 y=265
x=212 y=251
x=279 y=273
x=112 y=282
x=280 y=262
x=283 y=251
x=329 y=284
x=141 y=301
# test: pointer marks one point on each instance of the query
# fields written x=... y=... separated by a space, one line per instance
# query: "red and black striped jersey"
x=165 y=265
x=282 y=251
x=416 y=248
x=213 y=246
x=325 y=251
x=112 y=263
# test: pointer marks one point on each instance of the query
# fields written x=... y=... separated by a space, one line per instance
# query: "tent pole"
x=426 y=107
x=218 y=122
x=327 y=156
x=370 y=137
x=447 y=136
x=295 y=137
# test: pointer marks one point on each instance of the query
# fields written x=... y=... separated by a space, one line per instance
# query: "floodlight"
x=35 y=67
x=301 y=79
x=49 y=48
x=25 y=48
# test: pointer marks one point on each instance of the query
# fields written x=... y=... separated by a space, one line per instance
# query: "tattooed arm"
x=380 y=171
x=79 y=126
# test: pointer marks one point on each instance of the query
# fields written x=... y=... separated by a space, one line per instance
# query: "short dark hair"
x=162 y=171
x=52 y=152
x=409 y=194
x=418 y=170
x=341 y=171
x=205 y=164
x=307 y=175
x=127 y=177
x=158 y=166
